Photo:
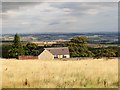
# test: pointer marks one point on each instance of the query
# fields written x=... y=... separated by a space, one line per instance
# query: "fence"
x=27 y=57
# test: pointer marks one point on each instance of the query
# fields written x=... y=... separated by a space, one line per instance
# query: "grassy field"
x=59 y=74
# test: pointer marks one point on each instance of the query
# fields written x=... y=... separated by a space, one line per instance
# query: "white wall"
x=62 y=56
x=46 y=55
x=67 y=56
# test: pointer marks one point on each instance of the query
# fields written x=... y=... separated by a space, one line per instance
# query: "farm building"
x=52 y=53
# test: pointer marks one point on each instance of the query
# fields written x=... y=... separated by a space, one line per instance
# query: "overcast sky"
x=24 y=17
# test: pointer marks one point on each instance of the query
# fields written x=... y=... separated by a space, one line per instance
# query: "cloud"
x=59 y=17
x=6 y=6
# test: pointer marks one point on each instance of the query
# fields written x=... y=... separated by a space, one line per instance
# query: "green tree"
x=5 y=48
x=78 y=47
x=108 y=53
x=79 y=40
x=31 y=49
x=104 y=52
x=17 y=43
x=17 y=48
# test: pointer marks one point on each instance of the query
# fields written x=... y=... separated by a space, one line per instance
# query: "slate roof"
x=58 y=50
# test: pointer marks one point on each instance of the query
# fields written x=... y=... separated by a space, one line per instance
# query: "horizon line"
x=62 y=32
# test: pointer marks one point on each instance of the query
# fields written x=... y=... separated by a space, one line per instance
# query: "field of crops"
x=59 y=74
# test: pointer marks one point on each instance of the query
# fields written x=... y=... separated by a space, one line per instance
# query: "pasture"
x=60 y=74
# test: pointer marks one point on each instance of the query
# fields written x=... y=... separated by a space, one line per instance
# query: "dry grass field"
x=59 y=74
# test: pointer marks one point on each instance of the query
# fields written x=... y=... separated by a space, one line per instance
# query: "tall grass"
x=59 y=74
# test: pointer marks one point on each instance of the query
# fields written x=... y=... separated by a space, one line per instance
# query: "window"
x=64 y=56
x=55 y=56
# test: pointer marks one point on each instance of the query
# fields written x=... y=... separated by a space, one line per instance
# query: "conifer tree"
x=17 y=43
x=17 y=48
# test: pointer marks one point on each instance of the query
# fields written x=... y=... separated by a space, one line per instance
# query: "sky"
x=63 y=17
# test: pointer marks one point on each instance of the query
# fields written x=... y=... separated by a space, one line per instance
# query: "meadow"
x=89 y=73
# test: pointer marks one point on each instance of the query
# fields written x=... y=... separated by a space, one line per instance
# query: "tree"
x=78 y=47
x=79 y=39
x=17 y=48
x=17 y=43
x=31 y=49
x=104 y=52
x=5 y=48
x=108 y=53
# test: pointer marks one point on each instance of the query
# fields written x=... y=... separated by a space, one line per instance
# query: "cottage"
x=52 y=53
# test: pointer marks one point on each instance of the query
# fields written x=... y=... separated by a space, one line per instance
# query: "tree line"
x=77 y=47
x=18 y=49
